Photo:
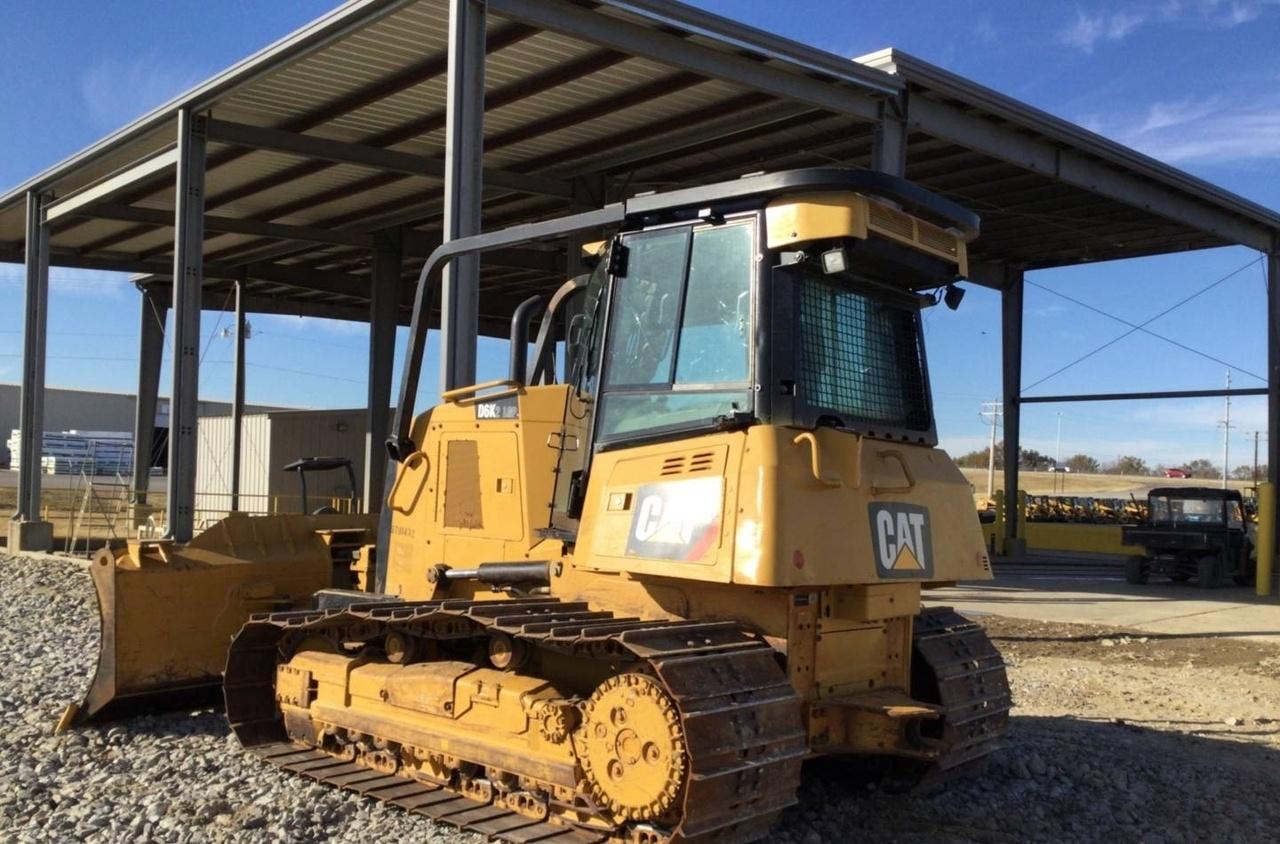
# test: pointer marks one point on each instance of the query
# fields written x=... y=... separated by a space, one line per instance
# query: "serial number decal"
x=675 y=520
x=902 y=542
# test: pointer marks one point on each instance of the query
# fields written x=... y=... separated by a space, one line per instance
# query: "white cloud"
x=960 y=445
x=1241 y=13
x=116 y=91
x=1210 y=131
x=1085 y=31
x=1204 y=130
x=984 y=30
x=1088 y=29
x=1052 y=309
x=1166 y=115
x=1247 y=414
x=1123 y=23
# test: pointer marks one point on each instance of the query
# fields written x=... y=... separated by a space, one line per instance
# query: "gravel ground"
x=1118 y=737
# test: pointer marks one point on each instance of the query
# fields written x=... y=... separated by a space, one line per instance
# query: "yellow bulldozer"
x=622 y=594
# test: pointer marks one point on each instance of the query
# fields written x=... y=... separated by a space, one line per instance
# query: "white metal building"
x=270 y=441
x=68 y=409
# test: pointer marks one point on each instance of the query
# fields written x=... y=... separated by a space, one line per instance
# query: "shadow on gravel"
x=1112 y=636
x=202 y=722
x=1057 y=779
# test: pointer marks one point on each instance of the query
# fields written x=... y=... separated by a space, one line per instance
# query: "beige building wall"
x=94 y=410
x=270 y=441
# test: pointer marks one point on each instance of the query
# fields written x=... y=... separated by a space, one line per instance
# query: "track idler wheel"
x=632 y=748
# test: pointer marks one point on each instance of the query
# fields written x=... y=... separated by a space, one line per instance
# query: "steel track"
x=971 y=683
x=741 y=717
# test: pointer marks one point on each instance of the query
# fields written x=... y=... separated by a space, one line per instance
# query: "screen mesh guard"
x=859 y=358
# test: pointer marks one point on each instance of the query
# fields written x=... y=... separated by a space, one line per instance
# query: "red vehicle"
x=1176 y=473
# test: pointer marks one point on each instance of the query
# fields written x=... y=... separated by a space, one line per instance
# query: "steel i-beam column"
x=188 y=280
x=1011 y=337
x=384 y=301
x=1273 y=374
x=889 y=137
x=237 y=396
x=464 y=155
x=27 y=532
x=150 y=353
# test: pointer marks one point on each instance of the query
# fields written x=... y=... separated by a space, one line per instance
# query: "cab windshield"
x=1172 y=510
x=678 y=349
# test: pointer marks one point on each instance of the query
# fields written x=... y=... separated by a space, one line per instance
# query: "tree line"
x=1126 y=464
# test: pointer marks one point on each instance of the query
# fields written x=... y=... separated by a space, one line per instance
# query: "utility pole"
x=1226 y=434
x=1057 y=449
x=1257 y=435
x=991 y=413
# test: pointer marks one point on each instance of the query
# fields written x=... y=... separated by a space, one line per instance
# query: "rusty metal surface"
x=740 y=715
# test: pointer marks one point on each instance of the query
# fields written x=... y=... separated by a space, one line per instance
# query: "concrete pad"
x=29 y=536
x=1101 y=597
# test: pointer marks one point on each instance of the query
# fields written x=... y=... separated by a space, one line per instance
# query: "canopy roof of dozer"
x=337 y=132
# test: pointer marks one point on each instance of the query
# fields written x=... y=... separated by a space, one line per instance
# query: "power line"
x=1142 y=327
x=1136 y=327
x=74 y=357
x=291 y=339
x=325 y=375
x=71 y=333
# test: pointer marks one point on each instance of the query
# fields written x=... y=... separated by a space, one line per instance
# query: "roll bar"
x=399 y=445
x=518 y=363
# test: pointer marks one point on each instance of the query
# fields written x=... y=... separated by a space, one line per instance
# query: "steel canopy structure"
x=308 y=178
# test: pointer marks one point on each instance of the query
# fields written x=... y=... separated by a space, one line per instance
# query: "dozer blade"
x=168 y=611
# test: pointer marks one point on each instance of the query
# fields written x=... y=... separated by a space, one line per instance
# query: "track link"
x=741 y=717
x=954 y=659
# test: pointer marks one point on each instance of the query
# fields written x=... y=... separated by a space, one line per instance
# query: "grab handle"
x=505 y=387
x=409 y=467
x=815 y=459
x=894 y=454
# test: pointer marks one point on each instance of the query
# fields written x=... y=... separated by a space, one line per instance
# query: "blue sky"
x=1193 y=82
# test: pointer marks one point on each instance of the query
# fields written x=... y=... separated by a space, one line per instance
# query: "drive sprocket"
x=632 y=748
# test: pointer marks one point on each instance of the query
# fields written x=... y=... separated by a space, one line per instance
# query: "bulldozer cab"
x=702 y=315
x=790 y=297
x=791 y=301
x=713 y=324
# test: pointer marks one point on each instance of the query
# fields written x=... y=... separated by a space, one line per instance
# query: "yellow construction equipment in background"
x=625 y=604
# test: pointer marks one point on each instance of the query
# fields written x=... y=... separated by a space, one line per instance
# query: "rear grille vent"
x=895 y=224
x=937 y=240
x=892 y=222
x=701 y=462
x=673 y=466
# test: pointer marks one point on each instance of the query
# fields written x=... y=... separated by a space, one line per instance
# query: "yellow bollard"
x=1266 y=549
